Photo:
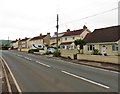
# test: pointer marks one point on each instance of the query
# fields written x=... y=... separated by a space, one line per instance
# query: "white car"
x=51 y=50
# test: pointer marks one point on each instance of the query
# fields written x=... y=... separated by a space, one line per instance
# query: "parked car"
x=51 y=50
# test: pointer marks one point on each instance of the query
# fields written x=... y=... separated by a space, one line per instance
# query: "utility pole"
x=57 y=31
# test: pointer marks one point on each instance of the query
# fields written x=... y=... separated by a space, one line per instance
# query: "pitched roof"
x=14 y=41
x=66 y=43
x=59 y=35
x=108 y=34
x=72 y=33
x=25 y=39
x=38 y=37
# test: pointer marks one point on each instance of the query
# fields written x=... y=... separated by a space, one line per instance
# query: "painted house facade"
x=14 y=44
x=53 y=39
x=105 y=40
x=41 y=39
x=23 y=43
x=70 y=36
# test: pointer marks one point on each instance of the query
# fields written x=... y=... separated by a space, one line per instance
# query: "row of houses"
x=104 y=40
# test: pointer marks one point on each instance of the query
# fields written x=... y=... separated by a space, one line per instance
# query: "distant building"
x=41 y=39
x=23 y=43
x=105 y=40
x=14 y=44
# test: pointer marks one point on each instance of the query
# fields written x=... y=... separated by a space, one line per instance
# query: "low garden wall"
x=24 y=50
x=68 y=53
x=109 y=59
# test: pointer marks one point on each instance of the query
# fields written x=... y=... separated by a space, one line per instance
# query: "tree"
x=81 y=43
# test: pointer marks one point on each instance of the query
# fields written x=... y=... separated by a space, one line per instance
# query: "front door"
x=103 y=50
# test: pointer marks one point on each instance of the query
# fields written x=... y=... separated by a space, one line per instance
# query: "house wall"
x=28 y=43
x=119 y=47
x=70 y=38
x=15 y=45
x=46 y=40
x=109 y=50
x=99 y=47
x=25 y=44
x=40 y=41
x=85 y=50
x=54 y=41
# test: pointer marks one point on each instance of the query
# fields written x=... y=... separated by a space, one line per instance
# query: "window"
x=58 y=39
x=67 y=47
x=63 y=47
x=115 y=47
x=65 y=38
x=73 y=38
x=91 y=47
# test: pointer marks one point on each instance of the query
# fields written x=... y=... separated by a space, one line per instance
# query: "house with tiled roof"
x=70 y=36
x=14 y=44
x=23 y=43
x=53 y=39
x=105 y=40
x=41 y=39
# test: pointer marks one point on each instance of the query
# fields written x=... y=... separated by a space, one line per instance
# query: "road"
x=35 y=73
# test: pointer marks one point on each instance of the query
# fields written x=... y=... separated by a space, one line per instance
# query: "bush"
x=33 y=50
x=95 y=52
x=57 y=53
x=75 y=56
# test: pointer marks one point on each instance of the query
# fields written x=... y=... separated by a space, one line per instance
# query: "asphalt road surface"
x=34 y=73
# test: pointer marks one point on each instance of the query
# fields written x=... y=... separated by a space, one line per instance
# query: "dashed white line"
x=93 y=82
x=28 y=58
x=43 y=64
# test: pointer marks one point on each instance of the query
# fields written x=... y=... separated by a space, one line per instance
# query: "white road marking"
x=93 y=82
x=43 y=64
x=18 y=88
x=7 y=81
x=28 y=58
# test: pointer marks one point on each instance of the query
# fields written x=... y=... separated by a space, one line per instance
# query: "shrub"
x=33 y=50
x=75 y=56
x=57 y=53
x=95 y=52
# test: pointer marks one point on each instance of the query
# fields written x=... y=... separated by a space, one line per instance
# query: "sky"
x=29 y=18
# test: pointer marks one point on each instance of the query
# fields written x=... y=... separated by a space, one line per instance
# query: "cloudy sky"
x=29 y=18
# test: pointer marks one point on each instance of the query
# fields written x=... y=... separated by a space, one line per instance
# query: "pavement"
x=35 y=73
x=103 y=65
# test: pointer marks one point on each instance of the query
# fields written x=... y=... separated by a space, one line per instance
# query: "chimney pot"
x=48 y=33
x=68 y=30
x=84 y=27
x=40 y=34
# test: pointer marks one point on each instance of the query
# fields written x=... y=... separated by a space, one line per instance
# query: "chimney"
x=25 y=37
x=19 y=39
x=68 y=30
x=40 y=34
x=48 y=33
x=84 y=27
